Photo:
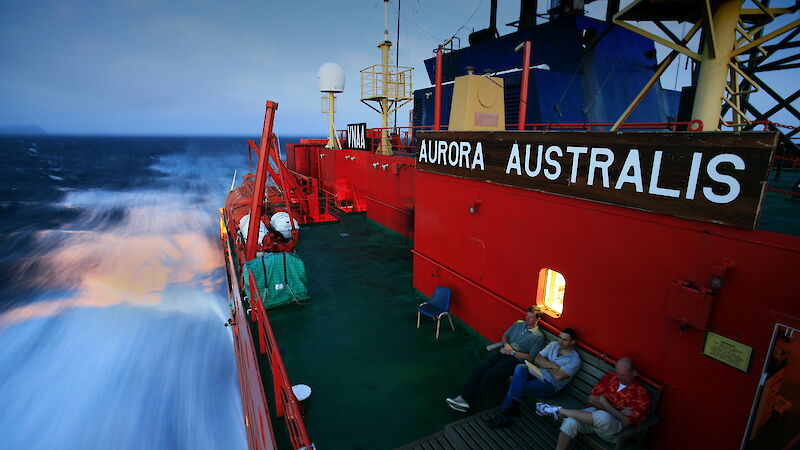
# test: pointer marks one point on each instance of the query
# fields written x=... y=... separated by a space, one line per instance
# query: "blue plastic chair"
x=438 y=306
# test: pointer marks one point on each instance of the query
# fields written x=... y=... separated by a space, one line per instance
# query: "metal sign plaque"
x=728 y=351
x=717 y=177
x=357 y=136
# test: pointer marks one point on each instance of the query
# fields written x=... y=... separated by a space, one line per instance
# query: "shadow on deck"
x=529 y=431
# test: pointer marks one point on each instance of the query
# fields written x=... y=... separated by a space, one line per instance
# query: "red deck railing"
x=320 y=207
x=286 y=404
x=258 y=427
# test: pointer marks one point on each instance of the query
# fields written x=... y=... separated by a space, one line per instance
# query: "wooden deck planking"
x=528 y=431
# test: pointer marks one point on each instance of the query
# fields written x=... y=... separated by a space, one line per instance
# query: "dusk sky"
x=205 y=68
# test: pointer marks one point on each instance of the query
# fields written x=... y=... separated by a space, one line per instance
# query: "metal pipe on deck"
x=437 y=101
x=523 y=93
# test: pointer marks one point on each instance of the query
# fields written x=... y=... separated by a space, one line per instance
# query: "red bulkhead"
x=638 y=284
x=390 y=198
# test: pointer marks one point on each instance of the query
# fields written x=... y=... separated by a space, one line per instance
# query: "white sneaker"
x=543 y=409
x=456 y=408
x=458 y=403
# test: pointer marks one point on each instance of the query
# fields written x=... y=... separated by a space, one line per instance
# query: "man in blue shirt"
x=558 y=361
x=522 y=341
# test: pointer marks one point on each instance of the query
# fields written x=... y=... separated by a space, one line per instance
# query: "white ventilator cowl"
x=244 y=226
x=331 y=78
x=280 y=222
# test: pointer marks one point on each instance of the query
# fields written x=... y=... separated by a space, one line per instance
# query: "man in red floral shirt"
x=617 y=400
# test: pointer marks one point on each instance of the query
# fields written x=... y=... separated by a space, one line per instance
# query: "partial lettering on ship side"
x=714 y=177
x=357 y=136
x=454 y=153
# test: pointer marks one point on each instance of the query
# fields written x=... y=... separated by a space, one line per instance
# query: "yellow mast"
x=730 y=33
x=386 y=146
x=331 y=81
x=386 y=84
x=332 y=141
x=713 y=76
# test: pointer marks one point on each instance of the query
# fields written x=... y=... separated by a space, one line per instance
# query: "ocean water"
x=112 y=294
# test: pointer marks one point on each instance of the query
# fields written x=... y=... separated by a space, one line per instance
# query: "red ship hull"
x=631 y=278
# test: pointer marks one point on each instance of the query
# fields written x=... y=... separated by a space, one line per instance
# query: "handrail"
x=258 y=426
x=673 y=126
x=404 y=211
x=588 y=348
x=586 y=126
x=285 y=402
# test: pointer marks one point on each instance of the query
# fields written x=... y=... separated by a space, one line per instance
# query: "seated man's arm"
x=567 y=370
x=554 y=368
x=594 y=401
x=506 y=349
x=558 y=374
x=523 y=356
x=545 y=363
x=638 y=407
x=622 y=416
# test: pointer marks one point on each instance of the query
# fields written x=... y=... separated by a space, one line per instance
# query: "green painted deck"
x=377 y=381
x=781 y=212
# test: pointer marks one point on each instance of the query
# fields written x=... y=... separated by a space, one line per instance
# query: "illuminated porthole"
x=550 y=292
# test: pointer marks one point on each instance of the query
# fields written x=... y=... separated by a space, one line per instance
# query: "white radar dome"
x=331 y=78
x=281 y=223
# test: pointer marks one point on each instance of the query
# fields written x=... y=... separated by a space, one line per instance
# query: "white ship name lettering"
x=454 y=153
x=601 y=166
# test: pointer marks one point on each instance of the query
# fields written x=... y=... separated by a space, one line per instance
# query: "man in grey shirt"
x=522 y=341
x=558 y=361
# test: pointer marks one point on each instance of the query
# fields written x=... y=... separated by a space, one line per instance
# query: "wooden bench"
x=576 y=393
x=531 y=431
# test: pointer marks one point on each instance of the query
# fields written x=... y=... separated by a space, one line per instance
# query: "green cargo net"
x=281 y=278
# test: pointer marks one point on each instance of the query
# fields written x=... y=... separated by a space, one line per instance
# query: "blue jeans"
x=524 y=385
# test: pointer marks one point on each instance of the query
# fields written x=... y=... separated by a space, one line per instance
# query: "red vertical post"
x=278 y=382
x=313 y=200
x=257 y=204
x=437 y=106
x=523 y=93
x=282 y=174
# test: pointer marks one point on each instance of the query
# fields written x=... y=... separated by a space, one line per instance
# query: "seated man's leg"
x=581 y=415
x=571 y=426
x=516 y=392
x=606 y=426
x=539 y=389
x=502 y=368
x=523 y=385
x=468 y=391
x=517 y=389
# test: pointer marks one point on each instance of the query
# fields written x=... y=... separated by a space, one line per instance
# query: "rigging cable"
x=608 y=76
x=678 y=62
x=470 y=18
x=350 y=55
x=589 y=48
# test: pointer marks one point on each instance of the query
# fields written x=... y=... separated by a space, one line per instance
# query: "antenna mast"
x=388 y=85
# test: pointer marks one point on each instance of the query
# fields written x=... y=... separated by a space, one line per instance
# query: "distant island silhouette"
x=22 y=130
